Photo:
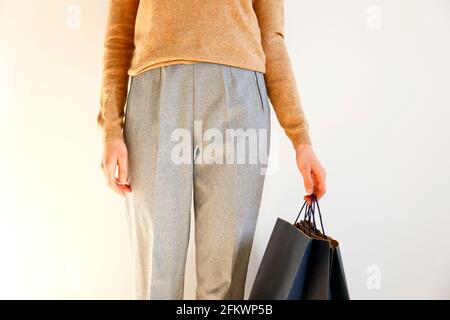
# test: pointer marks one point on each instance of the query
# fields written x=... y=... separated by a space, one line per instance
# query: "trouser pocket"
x=260 y=89
x=128 y=103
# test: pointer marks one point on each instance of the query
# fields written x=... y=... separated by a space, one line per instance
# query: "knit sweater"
x=146 y=34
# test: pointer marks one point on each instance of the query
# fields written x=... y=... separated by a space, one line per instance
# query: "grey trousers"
x=175 y=117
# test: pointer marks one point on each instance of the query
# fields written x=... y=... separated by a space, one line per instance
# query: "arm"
x=119 y=48
x=283 y=93
x=280 y=81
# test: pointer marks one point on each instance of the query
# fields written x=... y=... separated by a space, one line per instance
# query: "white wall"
x=374 y=78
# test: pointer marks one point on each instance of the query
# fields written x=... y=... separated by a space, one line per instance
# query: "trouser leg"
x=159 y=207
x=227 y=196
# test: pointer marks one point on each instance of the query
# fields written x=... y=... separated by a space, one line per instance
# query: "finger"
x=123 y=170
x=307 y=199
x=117 y=189
x=321 y=187
x=320 y=183
x=123 y=187
x=113 y=185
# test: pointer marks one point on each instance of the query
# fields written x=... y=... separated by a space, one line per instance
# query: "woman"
x=202 y=68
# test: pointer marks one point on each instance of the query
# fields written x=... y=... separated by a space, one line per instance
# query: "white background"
x=374 y=78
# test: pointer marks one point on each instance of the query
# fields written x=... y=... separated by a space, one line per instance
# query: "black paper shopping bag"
x=301 y=262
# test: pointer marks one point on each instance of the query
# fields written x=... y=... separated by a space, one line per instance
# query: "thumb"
x=123 y=169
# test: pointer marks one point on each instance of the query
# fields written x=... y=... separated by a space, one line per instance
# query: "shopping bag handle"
x=310 y=213
x=314 y=203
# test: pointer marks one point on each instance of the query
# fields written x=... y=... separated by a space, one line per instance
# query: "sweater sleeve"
x=118 y=52
x=280 y=79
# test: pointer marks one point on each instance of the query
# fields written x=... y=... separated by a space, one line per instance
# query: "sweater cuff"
x=112 y=135
x=299 y=138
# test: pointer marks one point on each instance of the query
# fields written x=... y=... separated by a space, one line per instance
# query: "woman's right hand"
x=115 y=154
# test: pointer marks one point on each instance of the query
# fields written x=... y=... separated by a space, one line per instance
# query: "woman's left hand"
x=314 y=175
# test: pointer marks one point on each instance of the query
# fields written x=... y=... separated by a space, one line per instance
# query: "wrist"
x=113 y=140
x=302 y=147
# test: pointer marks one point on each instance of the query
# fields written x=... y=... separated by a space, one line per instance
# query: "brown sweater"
x=146 y=34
